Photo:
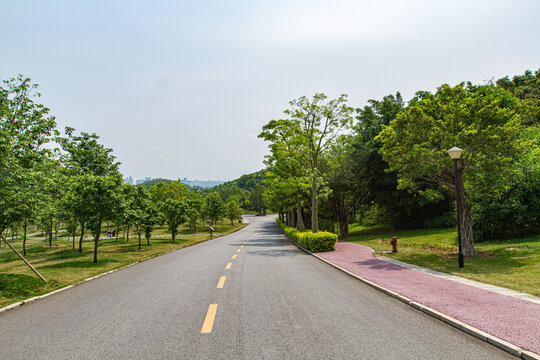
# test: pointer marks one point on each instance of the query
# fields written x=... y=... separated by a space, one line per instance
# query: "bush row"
x=314 y=242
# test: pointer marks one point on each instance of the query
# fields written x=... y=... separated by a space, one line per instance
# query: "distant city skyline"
x=196 y=182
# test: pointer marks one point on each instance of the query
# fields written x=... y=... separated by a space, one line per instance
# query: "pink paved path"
x=511 y=319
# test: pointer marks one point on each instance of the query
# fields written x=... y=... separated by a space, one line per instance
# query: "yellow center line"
x=234 y=256
x=241 y=245
x=221 y=282
x=228 y=266
x=209 y=320
x=238 y=250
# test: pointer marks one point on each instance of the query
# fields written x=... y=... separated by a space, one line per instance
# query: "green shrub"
x=314 y=242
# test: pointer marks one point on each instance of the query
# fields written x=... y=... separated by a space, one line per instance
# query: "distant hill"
x=148 y=184
x=245 y=182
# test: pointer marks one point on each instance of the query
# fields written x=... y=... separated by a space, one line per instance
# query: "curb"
x=32 y=299
x=471 y=330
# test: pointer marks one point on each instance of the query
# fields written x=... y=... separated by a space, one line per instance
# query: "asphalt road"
x=275 y=302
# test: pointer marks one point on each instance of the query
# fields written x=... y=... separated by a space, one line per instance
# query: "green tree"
x=143 y=209
x=527 y=88
x=175 y=213
x=195 y=203
x=233 y=211
x=482 y=120
x=151 y=218
x=95 y=185
x=313 y=125
x=84 y=155
x=92 y=200
x=25 y=127
x=213 y=207
x=376 y=187
x=256 y=199
x=173 y=190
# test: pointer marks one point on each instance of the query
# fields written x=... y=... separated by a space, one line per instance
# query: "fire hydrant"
x=393 y=242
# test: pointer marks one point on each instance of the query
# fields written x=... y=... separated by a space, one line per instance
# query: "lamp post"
x=455 y=154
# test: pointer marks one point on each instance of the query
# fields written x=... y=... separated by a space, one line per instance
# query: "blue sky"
x=181 y=88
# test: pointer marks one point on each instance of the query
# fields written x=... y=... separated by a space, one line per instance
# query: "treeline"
x=388 y=163
x=71 y=181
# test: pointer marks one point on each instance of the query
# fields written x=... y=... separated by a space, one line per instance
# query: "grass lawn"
x=512 y=263
x=63 y=266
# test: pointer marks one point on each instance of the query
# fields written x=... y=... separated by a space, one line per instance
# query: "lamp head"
x=455 y=153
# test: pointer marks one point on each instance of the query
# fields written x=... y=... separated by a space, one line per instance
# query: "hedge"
x=314 y=242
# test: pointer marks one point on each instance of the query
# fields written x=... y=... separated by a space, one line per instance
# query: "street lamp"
x=455 y=154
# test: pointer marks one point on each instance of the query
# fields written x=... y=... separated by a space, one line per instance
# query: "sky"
x=182 y=88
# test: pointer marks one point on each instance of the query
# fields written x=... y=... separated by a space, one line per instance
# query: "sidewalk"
x=510 y=318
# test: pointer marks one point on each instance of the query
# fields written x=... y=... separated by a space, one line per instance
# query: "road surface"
x=249 y=295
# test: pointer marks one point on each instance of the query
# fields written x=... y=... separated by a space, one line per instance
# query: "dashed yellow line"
x=209 y=320
x=238 y=250
x=221 y=282
x=234 y=256
x=228 y=266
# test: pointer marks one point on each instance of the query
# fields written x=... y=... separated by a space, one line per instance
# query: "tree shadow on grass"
x=481 y=264
x=20 y=286
x=79 y=264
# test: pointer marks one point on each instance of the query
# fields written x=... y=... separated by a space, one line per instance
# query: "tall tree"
x=25 y=127
x=482 y=120
x=95 y=182
x=213 y=207
x=374 y=185
x=233 y=211
x=314 y=125
x=175 y=213
x=194 y=203
x=145 y=212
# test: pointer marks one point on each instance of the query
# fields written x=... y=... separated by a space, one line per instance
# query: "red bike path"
x=509 y=318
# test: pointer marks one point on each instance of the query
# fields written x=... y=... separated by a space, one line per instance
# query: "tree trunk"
x=344 y=226
x=96 y=240
x=467 y=238
x=343 y=219
x=127 y=238
x=24 y=237
x=299 y=219
x=314 y=205
x=74 y=233
x=82 y=236
x=148 y=241
x=124 y=234
x=139 y=233
x=50 y=233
